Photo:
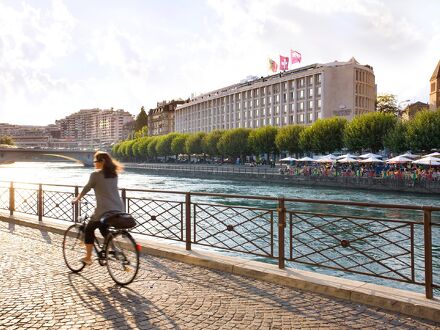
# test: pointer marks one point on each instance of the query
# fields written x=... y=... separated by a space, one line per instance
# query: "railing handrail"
x=266 y=198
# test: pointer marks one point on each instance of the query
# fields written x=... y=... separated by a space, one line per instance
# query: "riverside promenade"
x=272 y=175
x=38 y=291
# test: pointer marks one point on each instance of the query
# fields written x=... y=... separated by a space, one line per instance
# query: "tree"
x=143 y=147
x=152 y=153
x=396 y=138
x=6 y=140
x=235 y=143
x=141 y=133
x=141 y=120
x=115 y=150
x=325 y=135
x=178 y=144
x=368 y=131
x=424 y=130
x=210 y=141
x=288 y=138
x=387 y=103
x=193 y=144
x=163 y=146
x=262 y=140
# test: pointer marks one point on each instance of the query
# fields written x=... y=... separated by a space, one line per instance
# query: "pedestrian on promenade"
x=104 y=181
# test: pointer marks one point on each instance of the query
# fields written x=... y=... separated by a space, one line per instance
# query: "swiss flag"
x=284 y=63
x=295 y=57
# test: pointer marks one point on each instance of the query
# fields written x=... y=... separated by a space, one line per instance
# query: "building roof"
x=436 y=73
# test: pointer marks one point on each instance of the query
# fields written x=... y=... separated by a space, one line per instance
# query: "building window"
x=310 y=117
x=301 y=94
x=301 y=106
x=318 y=104
x=310 y=105
x=310 y=92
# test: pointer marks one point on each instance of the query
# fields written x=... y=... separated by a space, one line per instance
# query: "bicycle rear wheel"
x=73 y=247
x=122 y=257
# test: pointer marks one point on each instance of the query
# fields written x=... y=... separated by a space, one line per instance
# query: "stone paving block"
x=166 y=295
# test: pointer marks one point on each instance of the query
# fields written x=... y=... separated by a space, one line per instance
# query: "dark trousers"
x=89 y=232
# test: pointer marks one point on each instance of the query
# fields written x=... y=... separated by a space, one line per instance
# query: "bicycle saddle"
x=118 y=219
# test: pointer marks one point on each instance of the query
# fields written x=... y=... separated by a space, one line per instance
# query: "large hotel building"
x=299 y=96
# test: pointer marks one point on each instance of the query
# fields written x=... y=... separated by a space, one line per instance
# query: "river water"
x=76 y=174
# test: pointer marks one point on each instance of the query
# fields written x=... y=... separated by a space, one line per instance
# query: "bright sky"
x=60 y=56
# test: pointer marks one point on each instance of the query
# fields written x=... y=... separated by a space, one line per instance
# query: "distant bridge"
x=12 y=155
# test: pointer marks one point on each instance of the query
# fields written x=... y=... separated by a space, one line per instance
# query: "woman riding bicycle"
x=104 y=182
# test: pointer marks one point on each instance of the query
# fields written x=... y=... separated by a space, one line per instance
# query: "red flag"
x=273 y=66
x=284 y=63
x=295 y=57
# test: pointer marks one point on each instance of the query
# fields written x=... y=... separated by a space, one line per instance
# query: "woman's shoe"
x=88 y=262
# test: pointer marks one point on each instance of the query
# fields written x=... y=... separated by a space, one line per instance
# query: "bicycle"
x=119 y=251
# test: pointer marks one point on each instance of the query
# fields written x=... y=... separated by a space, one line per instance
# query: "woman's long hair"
x=111 y=167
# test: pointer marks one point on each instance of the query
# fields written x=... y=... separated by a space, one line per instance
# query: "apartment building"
x=299 y=96
x=95 y=128
x=161 y=119
x=434 y=95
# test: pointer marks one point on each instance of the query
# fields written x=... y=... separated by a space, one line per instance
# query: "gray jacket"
x=106 y=194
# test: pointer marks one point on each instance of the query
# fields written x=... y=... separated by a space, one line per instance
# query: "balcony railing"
x=391 y=242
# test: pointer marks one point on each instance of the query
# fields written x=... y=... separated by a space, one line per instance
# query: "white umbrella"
x=409 y=155
x=370 y=155
x=288 y=159
x=329 y=156
x=434 y=154
x=432 y=161
x=371 y=160
x=347 y=156
x=325 y=160
x=399 y=160
x=347 y=160
x=306 y=159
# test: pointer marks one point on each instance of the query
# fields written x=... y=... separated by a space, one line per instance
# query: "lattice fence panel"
x=375 y=247
x=58 y=205
x=240 y=229
x=159 y=218
x=4 y=198
x=26 y=201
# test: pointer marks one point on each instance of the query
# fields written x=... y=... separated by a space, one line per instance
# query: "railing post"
x=76 y=206
x=281 y=226
x=124 y=198
x=11 y=199
x=188 y=220
x=428 y=251
x=40 y=202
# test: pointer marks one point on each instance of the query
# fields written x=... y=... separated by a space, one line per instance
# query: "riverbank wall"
x=272 y=175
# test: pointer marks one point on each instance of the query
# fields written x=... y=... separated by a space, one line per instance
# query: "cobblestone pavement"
x=38 y=291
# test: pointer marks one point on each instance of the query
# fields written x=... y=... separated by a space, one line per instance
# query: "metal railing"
x=386 y=241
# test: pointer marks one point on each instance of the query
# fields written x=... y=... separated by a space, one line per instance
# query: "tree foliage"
x=193 y=144
x=288 y=138
x=6 y=140
x=325 y=135
x=163 y=146
x=368 y=131
x=141 y=120
x=235 y=143
x=210 y=142
x=424 y=131
x=396 y=139
x=387 y=103
x=262 y=140
x=178 y=144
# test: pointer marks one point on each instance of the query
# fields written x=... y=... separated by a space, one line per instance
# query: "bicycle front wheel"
x=73 y=247
x=122 y=258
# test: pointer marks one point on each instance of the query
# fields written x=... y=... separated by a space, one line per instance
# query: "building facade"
x=95 y=128
x=299 y=96
x=410 y=111
x=161 y=119
x=434 y=95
